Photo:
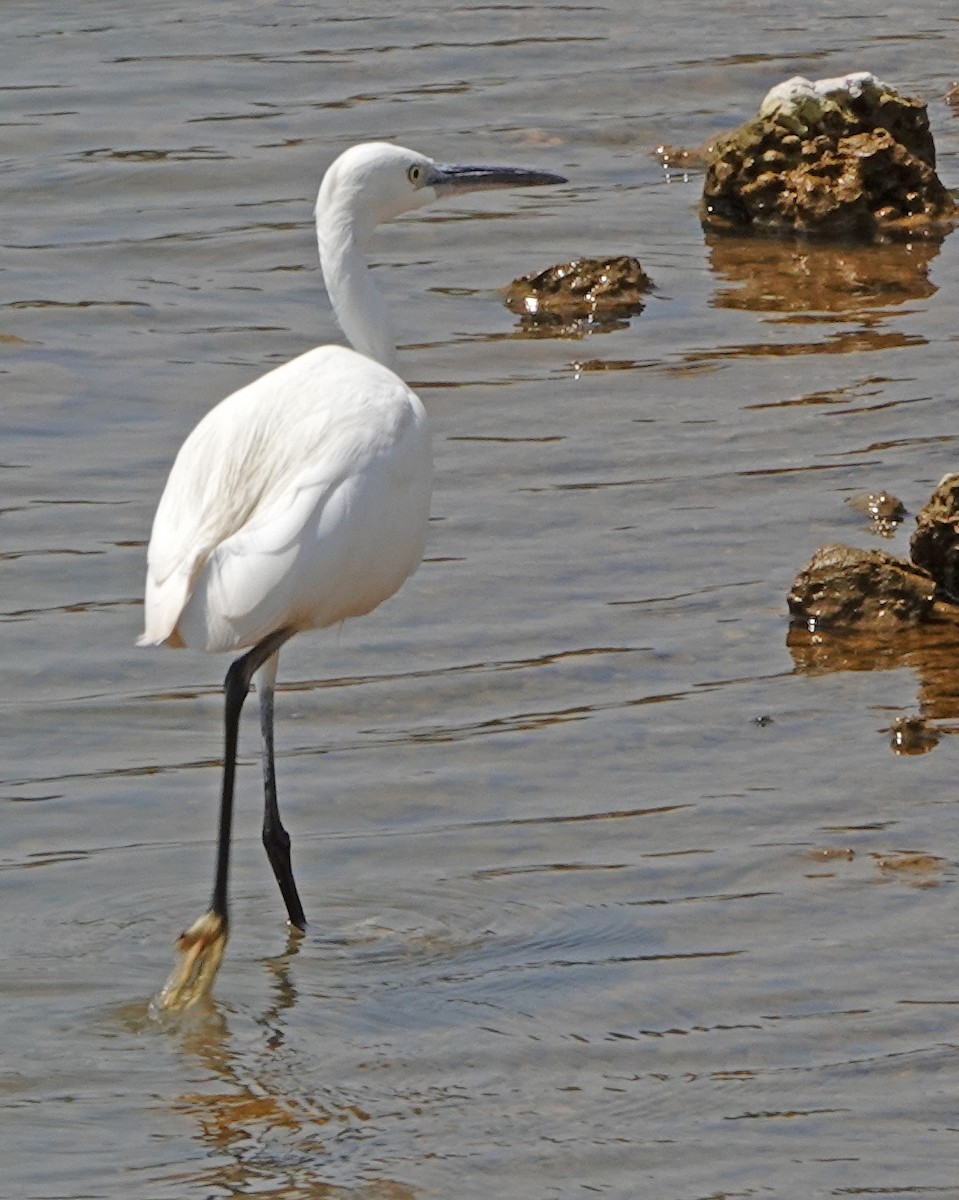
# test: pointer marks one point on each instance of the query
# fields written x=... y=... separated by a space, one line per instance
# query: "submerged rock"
x=585 y=291
x=884 y=510
x=925 y=869
x=845 y=588
x=845 y=157
x=914 y=734
x=682 y=160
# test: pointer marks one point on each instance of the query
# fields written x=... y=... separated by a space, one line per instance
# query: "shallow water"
x=612 y=890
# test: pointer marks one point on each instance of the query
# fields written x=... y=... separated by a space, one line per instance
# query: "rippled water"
x=612 y=890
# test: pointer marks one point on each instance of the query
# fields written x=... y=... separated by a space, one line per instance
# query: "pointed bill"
x=448 y=180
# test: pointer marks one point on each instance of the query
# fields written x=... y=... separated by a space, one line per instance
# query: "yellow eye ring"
x=415 y=173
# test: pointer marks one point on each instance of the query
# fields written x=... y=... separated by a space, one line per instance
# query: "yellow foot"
x=200 y=954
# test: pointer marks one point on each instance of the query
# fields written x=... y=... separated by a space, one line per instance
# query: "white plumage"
x=300 y=500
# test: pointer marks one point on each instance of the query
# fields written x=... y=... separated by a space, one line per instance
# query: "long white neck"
x=356 y=300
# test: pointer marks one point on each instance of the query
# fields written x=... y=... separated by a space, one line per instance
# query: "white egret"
x=300 y=500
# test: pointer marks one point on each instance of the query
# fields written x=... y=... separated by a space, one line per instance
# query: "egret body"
x=299 y=501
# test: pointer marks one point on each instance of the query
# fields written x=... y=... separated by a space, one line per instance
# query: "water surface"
x=612 y=890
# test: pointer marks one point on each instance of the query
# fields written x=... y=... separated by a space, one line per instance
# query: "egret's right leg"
x=201 y=946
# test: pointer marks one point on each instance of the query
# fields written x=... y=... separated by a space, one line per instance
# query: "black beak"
x=448 y=180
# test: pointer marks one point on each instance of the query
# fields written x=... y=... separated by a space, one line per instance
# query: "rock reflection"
x=559 y=326
x=797 y=277
x=931 y=652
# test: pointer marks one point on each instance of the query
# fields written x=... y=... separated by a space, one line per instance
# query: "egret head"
x=377 y=181
x=367 y=185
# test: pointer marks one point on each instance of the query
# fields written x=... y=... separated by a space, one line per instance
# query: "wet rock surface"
x=847 y=157
x=582 y=295
x=843 y=587
x=934 y=545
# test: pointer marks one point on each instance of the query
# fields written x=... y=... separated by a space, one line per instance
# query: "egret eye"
x=415 y=174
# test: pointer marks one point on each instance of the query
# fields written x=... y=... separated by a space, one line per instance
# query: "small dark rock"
x=913 y=735
x=882 y=508
x=582 y=288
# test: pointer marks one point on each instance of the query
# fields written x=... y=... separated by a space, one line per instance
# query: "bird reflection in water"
x=263 y=1135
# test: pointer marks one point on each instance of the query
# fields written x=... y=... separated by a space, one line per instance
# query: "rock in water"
x=882 y=508
x=934 y=545
x=845 y=157
x=845 y=588
x=583 y=289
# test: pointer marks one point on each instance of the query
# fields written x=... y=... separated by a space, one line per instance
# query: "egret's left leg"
x=276 y=841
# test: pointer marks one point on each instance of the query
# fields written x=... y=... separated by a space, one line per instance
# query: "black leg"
x=201 y=946
x=276 y=841
x=236 y=689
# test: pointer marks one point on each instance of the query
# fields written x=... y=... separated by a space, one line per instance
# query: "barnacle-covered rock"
x=581 y=295
x=845 y=157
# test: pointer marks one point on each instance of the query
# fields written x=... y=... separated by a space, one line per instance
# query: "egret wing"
x=316 y=421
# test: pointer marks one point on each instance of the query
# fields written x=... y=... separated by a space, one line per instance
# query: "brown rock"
x=845 y=588
x=934 y=545
x=838 y=158
x=582 y=287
